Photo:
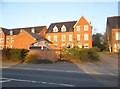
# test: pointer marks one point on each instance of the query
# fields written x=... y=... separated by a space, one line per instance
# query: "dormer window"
x=63 y=28
x=33 y=30
x=11 y=32
x=55 y=29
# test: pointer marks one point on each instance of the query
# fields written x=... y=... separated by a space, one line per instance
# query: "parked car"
x=39 y=47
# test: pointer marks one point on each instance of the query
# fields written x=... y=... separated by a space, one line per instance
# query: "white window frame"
x=11 y=40
x=117 y=35
x=33 y=30
x=49 y=38
x=55 y=38
x=63 y=28
x=63 y=45
x=63 y=37
x=78 y=28
x=85 y=27
x=115 y=46
x=11 y=46
x=1 y=47
x=1 y=40
x=78 y=37
x=70 y=37
x=86 y=36
x=11 y=32
x=55 y=29
x=86 y=44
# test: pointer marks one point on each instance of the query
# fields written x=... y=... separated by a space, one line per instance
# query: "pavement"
x=63 y=74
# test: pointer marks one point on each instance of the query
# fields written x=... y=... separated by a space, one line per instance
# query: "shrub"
x=14 y=54
x=92 y=55
x=96 y=49
x=80 y=54
x=34 y=58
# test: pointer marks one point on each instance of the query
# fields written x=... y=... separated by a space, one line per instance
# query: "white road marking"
x=30 y=81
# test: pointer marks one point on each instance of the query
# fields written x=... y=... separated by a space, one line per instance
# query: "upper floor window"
x=118 y=36
x=85 y=36
x=78 y=28
x=63 y=37
x=70 y=37
x=78 y=37
x=33 y=30
x=55 y=29
x=55 y=38
x=1 y=40
x=85 y=27
x=49 y=38
x=11 y=32
x=12 y=40
x=63 y=28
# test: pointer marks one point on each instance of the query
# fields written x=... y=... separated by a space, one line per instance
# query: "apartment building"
x=21 y=37
x=113 y=33
x=70 y=33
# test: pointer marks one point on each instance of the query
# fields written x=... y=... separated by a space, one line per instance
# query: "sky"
x=28 y=14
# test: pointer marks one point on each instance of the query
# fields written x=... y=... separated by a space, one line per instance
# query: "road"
x=61 y=74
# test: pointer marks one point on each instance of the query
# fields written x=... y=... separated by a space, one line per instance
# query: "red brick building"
x=113 y=33
x=21 y=37
x=68 y=34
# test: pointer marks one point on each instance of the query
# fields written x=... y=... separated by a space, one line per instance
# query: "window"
x=85 y=27
x=63 y=37
x=115 y=46
x=85 y=36
x=55 y=29
x=11 y=32
x=86 y=45
x=70 y=37
x=78 y=37
x=78 y=28
x=118 y=36
x=1 y=47
x=1 y=40
x=63 y=44
x=12 y=40
x=33 y=30
x=55 y=38
x=8 y=39
x=63 y=28
x=79 y=44
x=49 y=38
x=11 y=46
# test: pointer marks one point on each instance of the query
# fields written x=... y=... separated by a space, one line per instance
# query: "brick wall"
x=45 y=54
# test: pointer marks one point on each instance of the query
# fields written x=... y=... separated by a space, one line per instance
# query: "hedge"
x=14 y=55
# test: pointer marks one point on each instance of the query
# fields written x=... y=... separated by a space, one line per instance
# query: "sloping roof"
x=38 y=29
x=113 y=22
x=39 y=37
x=5 y=31
x=69 y=26
x=16 y=31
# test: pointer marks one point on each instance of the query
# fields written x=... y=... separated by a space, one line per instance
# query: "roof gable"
x=82 y=19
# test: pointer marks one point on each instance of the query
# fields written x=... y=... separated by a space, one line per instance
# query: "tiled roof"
x=69 y=26
x=16 y=31
x=39 y=37
x=113 y=22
